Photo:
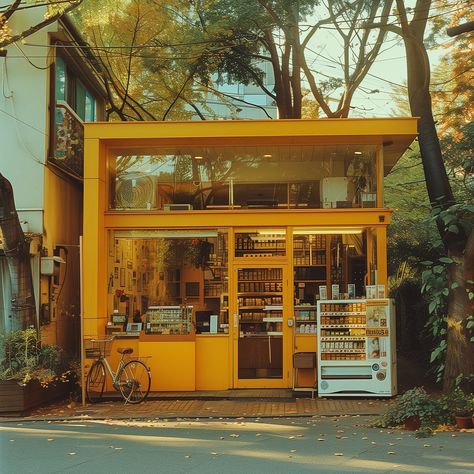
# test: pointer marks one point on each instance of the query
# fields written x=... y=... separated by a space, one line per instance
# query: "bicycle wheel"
x=134 y=381
x=95 y=382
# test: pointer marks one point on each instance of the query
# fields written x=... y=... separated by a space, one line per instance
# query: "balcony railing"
x=68 y=150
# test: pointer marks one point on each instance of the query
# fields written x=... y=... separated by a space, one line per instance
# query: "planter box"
x=15 y=398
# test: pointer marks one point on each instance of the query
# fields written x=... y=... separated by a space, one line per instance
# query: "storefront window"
x=328 y=264
x=271 y=177
x=179 y=276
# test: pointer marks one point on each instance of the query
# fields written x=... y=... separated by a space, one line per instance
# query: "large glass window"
x=71 y=90
x=153 y=275
x=272 y=177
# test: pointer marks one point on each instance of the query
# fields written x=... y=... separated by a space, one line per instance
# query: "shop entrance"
x=261 y=326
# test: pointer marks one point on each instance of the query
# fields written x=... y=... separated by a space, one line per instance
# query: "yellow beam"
x=329 y=218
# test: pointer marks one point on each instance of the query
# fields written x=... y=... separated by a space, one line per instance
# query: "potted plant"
x=458 y=405
x=30 y=373
x=413 y=409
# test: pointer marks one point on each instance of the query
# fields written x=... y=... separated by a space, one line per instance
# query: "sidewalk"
x=229 y=404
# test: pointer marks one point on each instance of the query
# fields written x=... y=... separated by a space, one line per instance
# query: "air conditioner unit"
x=135 y=191
x=334 y=191
x=177 y=207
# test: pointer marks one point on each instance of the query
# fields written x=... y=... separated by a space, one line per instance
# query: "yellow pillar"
x=94 y=242
x=381 y=233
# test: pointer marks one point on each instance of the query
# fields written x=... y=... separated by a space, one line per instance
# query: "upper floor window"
x=70 y=89
x=271 y=177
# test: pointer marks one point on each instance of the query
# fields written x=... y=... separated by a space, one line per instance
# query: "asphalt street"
x=252 y=445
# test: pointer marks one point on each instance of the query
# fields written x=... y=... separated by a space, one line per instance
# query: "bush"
x=413 y=403
x=456 y=403
x=23 y=358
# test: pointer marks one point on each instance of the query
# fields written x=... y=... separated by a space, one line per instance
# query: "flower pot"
x=413 y=423
x=463 y=422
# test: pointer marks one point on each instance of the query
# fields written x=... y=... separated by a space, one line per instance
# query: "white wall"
x=24 y=92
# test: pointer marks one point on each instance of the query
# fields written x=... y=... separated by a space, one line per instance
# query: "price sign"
x=371 y=332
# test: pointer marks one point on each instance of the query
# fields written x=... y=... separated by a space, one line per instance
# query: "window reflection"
x=157 y=269
x=244 y=177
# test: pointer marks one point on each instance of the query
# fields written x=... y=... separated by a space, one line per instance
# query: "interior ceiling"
x=283 y=153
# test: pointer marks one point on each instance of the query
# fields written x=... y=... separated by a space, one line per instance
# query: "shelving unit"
x=260 y=318
x=311 y=265
x=253 y=245
x=305 y=319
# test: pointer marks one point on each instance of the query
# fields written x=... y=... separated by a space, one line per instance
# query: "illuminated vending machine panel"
x=356 y=348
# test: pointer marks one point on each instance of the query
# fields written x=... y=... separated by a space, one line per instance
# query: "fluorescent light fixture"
x=164 y=234
x=198 y=157
x=325 y=230
x=267 y=156
x=271 y=231
x=357 y=153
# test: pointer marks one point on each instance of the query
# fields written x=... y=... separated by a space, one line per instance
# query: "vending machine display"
x=356 y=341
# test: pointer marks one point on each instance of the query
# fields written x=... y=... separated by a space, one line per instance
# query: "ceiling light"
x=267 y=156
x=198 y=157
x=323 y=230
x=357 y=153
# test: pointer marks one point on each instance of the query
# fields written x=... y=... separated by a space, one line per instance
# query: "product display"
x=260 y=300
x=356 y=347
x=169 y=320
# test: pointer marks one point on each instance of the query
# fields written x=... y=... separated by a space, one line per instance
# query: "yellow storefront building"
x=207 y=244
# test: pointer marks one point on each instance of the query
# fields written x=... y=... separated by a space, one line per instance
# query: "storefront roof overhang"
x=394 y=134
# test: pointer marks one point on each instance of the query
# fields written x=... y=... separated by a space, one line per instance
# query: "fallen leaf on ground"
x=391 y=452
x=72 y=454
x=338 y=454
x=321 y=439
x=50 y=439
x=233 y=435
x=293 y=451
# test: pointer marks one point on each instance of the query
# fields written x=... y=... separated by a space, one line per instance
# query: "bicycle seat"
x=124 y=350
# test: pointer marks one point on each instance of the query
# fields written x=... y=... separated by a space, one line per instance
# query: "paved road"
x=256 y=445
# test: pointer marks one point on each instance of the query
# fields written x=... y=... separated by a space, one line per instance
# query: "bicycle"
x=132 y=377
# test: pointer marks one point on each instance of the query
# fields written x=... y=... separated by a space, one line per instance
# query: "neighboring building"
x=49 y=88
x=238 y=101
x=222 y=235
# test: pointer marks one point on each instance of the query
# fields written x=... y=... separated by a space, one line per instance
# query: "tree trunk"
x=460 y=351
x=17 y=251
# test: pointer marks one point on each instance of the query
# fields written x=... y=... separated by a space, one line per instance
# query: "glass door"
x=261 y=326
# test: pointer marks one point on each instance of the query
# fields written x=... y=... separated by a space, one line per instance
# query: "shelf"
x=297 y=321
x=277 y=280
x=273 y=320
x=262 y=334
x=270 y=293
x=273 y=308
x=251 y=321
x=329 y=326
x=342 y=313
x=343 y=338
x=342 y=351
x=310 y=307
x=310 y=281
x=274 y=333
x=252 y=307
x=310 y=265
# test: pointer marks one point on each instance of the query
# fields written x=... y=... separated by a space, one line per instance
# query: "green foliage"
x=413 y=403
x=456 y=403
x=23 y=358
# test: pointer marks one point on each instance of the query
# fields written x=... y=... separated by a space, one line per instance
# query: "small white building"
x=48 y=88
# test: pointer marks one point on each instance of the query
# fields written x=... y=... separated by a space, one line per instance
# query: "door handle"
x=290 y=322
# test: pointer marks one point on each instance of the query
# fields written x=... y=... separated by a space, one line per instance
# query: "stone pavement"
x=229 y=404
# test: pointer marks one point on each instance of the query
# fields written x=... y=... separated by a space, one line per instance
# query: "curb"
x=182 y=418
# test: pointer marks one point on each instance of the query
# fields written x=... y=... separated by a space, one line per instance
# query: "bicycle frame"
x=113 y=375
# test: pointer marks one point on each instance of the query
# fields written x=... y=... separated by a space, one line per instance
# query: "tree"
x=457 y=236
x=54 y=10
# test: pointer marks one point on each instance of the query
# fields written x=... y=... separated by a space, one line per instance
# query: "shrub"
x=23 y=358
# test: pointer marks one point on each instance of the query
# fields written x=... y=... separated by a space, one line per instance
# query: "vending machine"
x=356 y=348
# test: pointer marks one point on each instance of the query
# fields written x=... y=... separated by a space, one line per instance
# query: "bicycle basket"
x=96 y=347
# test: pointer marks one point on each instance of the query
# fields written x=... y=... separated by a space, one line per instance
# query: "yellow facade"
x=211 y=362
